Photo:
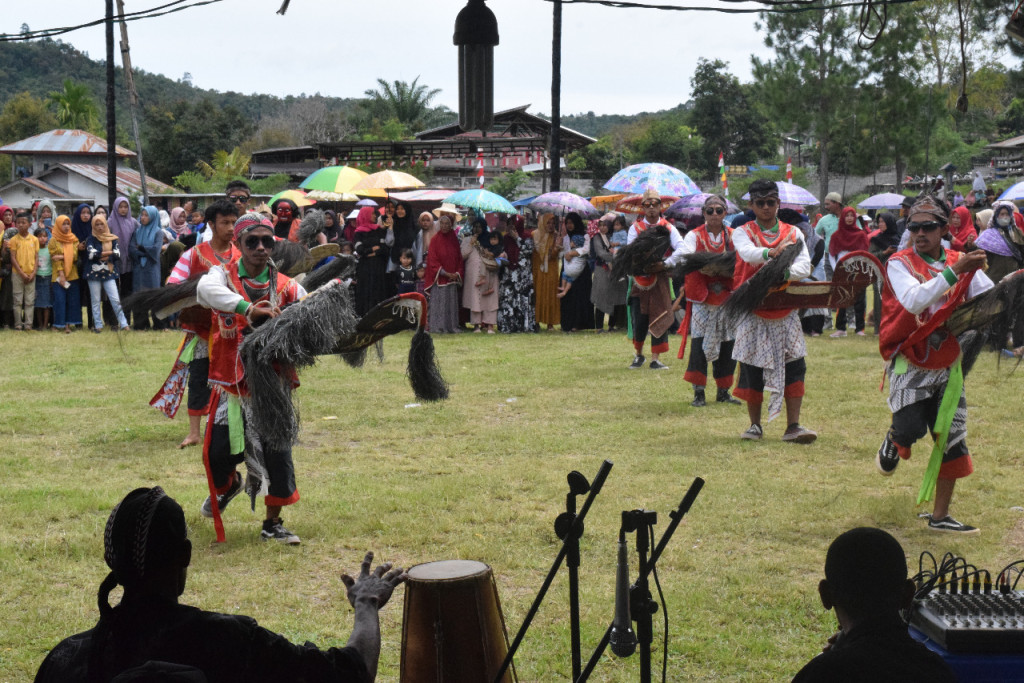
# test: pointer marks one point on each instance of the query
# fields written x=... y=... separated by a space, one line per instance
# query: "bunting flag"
x=426 y=162
x=789 y=170
x=480 y=167
x=721 y=172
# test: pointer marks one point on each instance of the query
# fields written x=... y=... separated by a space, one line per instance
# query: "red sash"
x=196 y=318
x=711 y=289
x=647 y=281
x=744 y=271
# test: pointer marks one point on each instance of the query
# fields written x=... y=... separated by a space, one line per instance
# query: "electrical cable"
x=664 y=614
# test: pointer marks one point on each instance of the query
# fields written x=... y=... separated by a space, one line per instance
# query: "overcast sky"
x=614 y=61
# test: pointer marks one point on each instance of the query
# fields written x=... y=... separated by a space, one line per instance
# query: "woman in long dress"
x=546 y=248
x=478 y=293
x=577 y=313
x=608 y=296
x=373 y=246
x=443 y=277
x=515 y=296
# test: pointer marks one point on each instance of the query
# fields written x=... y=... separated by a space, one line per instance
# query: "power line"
x=768 y=6
x=152 y=12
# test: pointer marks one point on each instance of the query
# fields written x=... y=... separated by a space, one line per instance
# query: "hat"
x=449 y=209
x=834 y=197
x=250 y=221
x=352 y=216
x=907 y=202
x=651 y=193
x=762 y=188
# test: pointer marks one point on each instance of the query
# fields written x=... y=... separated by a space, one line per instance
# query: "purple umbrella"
x=692 y=205
x=664 y=179
x=561 y=203
x=367 y=202
x=791 y=194
x=886 y=200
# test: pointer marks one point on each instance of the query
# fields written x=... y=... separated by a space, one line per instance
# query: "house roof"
x=63 y=141
x=128 y=180
x=1012 y=143
x=511 y=123
x=36 y=189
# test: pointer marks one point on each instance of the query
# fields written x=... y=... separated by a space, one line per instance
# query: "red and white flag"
x=789 y=170
x=480 y=167
x=721 y=172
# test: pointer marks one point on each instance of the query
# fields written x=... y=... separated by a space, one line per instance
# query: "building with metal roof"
x=71 y=184
x=60 y=146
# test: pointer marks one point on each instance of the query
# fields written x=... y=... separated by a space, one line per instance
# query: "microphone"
x=622 y=638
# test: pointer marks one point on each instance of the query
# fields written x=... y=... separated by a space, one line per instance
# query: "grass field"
x=482 y=476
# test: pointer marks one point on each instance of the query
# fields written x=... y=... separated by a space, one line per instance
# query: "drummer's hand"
x=970 y=261
x=374 y=586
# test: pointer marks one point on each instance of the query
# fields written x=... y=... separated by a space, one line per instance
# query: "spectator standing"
x=145 y=247
x=81 y=226
x=372 y=246
x=24 y=248
x=515 y=295
x=102 y=256
x=44 y=271
x=477 y=295
x=608 y=296
x=576 y=312
x=546 y=248
x=443 y=277
x=67 y=300
x=849 y=237
x=123 y=226
x=829 y=224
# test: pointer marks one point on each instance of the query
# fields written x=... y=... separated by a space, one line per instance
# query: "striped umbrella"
x=482 y=200
x=337 y=179
x=664 y=179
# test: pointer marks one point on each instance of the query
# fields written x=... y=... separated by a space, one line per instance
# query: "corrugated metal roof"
x=1008 y=144
x=62 y=141
x=128 y=179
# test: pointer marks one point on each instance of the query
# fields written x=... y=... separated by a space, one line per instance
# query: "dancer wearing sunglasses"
x=923 y=285
x=770 y=344
x=706 y=290
x=243 y=294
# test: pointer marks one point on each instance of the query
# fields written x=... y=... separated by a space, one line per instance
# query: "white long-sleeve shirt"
x=917 y=296
x=755 y=254
x=213 y=291
x=675 y=240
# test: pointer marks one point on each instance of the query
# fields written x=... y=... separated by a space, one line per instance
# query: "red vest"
x=647 y=281
x=226 y=332
x=711 y=289
x=744 y=271
x=196 y=318
x=921 y=338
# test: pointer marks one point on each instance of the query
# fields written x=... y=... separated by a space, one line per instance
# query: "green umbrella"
x=338 y=179
x=482 y=200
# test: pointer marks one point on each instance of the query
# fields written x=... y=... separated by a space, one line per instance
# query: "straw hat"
x=449 y=209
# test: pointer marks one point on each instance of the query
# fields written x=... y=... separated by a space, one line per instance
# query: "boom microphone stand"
x=568 y=527
x=641 y=603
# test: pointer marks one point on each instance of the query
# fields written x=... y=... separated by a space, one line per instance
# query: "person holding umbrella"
x=650 y=298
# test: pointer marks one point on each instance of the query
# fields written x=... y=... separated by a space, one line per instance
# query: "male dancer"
x=242 y=294
x=923 y=285
x=713 y=338
x=770 y=344
x=195 y=320
x=650 y=298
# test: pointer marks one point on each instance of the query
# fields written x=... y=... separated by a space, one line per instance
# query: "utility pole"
x=133 y=100
x=111 y=115
x=556 y=98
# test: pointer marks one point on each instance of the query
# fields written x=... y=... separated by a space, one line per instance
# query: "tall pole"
x=133 y=100
x=556 y=98
x=111 y=116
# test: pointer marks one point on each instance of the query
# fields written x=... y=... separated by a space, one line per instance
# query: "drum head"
x=445 y=570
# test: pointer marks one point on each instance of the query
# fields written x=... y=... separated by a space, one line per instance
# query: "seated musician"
x=150 y=634
x=866 y=584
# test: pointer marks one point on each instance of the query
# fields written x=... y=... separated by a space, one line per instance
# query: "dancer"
x=241 y=294
x=706 y=290
x=650 y=298
x=770 y=344
x=923 y=285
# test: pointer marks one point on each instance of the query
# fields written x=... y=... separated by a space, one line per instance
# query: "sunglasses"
x=714 y=210
x=651 y=203
x=253 y=241
x=763 y=203
x=930 y=226
x=239 y=198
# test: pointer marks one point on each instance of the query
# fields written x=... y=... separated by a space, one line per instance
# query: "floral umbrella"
x=561 y=203
x=634 y=203
x=791 y=194
x=337 y=179
x=482 y=200
x=886 y=200
x=664 y=179
x=692 y=205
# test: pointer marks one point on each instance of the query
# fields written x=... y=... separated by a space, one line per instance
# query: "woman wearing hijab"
x=372 y=244
x=405 y=231
x=443 y=277
x=123 y=226
x=515 y=293
x=103 y=253
x=848 y=237
x=546 y=247
x=6 y=290
x=179 y=223
x=81 y=227
x=478 y=294
x=883 y=243
x=1002 y=241
x=46 y=212
x=144 y=249
x=332 y=231
x=67 y=300
x=577 y=313
x=606 y=295
x=961 y=229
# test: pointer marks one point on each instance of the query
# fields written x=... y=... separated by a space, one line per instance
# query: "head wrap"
x=762 y=188
x=3 y=215
x=81 y=228
x=405 y=230
x=931 y=205
x=123 y=226
x=249 y=222
x=63 y=236
x=40 y=221
x=848 y=237
x=365 y=221
x=651 y=193
x=148 y=234
x=178 y=221
x=886 y=235
x=101 y=231
x=714 y=199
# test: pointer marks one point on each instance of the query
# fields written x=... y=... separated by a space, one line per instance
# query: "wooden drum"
x=452 y=627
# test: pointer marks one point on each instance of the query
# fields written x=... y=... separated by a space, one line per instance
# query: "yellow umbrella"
x=297 y=196
x=378 y=184
x=604 y=201
x=333 y=196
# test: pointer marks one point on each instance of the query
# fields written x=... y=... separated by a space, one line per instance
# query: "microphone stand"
x=572 y=525
x=640 y=599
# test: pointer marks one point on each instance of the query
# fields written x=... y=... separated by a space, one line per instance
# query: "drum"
x=452 y=627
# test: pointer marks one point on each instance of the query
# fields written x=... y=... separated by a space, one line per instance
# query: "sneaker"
x=724 y=397
x=837 y=334
x=950 y=525
x=887 y=457
x=698 y=398
x=637 y=363
x=223 y=499
x=860 y=333
x=658 y=365
x=273 y=530
x=799 y=434
x=753 y=433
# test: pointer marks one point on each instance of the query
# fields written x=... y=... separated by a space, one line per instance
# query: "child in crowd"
x=345 y=247
x=63 y=248
x=24 y=249
x=572 y=267
x=421 y=286
x=494 y=258
x=44 y=271
x=405 y=275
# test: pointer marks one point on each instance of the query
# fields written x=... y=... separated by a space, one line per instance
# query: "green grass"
x=482 y=476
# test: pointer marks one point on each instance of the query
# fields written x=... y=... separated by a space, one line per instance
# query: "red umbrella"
x=633 y=203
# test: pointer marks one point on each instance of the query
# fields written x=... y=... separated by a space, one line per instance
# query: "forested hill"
x=596 y=125
x=40 y=67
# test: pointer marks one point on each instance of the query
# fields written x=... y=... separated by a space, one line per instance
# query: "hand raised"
x=375 y=586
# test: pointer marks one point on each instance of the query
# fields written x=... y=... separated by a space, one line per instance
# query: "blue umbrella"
x=664 y=179
x=1014 y=193
x=482 y=200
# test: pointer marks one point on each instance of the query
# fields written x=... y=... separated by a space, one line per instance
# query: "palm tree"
x=227 y=164
x=74 y=106
x=409 y=103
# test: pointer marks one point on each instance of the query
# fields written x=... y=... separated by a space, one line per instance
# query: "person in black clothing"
x=373 y=242
x=866 y=584
x=150 y=634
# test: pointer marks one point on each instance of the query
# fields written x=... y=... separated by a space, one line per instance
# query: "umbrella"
x=1014 y=193
x=367 y=202
x=326 y=196
x=634 y=203
x=481 y=200
x=525 y=201
x=336 y=179
x=664 y=179
x=692 y=205
x=423 y=195
x=377 y=184
x=886 y=200
x=606 y=200
x=791 y=194
x=561 y=203
x=297 y=196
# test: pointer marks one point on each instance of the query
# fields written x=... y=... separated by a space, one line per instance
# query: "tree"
x=726 y=118
x=1011 y=123
x=177 y=139
x=668 y=140
x=508 y=184
x=226 y=164
x=24 y=116
x=409 y=103
x=74 y=106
